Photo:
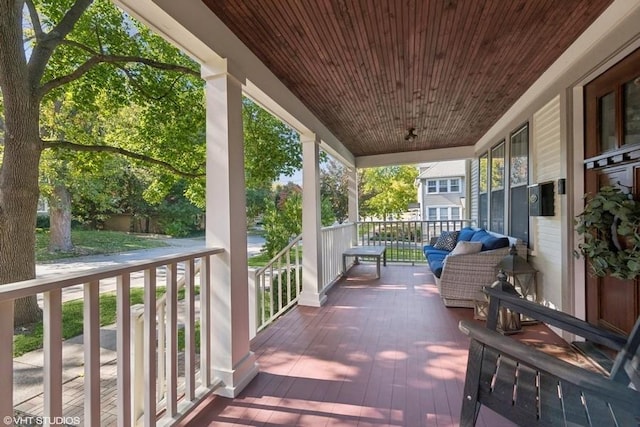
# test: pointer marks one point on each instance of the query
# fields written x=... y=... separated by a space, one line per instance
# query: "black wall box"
x=541 y=198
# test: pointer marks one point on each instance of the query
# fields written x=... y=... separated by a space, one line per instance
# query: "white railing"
x=164 y=329
x=335 y=240
x=182 y=391
x=276 y=286
x=404 y=239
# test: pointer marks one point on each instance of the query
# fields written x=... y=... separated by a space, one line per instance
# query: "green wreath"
x=609 y=226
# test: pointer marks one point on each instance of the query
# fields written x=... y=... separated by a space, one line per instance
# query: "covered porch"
x=357 y=351
x=379 y=352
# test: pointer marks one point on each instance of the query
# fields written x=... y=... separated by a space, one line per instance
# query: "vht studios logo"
x=39 y=421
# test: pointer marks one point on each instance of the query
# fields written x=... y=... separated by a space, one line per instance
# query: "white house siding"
x=547 y=231
x=473 y=181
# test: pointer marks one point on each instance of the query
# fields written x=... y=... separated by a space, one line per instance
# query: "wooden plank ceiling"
x=371 y=69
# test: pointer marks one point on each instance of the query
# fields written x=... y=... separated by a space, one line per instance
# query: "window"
x=433 y=214
x=454 y=186
x=443 y=185
x=497 y=189
x=631 y=93
x=455 y=213
x=519 y=178
x=612 y=109
x=443 y=213
x=483 y=187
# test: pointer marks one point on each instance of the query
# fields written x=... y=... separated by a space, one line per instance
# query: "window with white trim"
x=443 y=185
x=443 y=213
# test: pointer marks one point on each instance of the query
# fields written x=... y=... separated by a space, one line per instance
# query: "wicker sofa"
x=460 y=278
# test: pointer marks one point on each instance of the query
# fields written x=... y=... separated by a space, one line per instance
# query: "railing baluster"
x=189 y=332
x=123 y=336
x=137 y=368
x=149 y=417
x=53 y=357
x=91 y=342
x=271 y=297
x=263 y=293
x=172 y=340
x=161 y=350
x=289 y=297
x=205 y=322
x=6 y=357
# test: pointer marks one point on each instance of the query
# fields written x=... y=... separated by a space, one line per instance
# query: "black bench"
x=531 y=388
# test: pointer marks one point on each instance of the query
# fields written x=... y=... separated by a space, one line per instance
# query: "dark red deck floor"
x=379 y=352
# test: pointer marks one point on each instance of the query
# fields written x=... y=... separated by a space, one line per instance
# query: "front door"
x=612 y=157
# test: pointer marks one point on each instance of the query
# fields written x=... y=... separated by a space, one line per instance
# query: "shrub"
x=42 y=221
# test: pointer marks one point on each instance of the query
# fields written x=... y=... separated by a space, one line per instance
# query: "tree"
x=387 y=190
x=283 y=217
x=334 y=188
x=75 y=52
x=83 y=76
x=271 y=147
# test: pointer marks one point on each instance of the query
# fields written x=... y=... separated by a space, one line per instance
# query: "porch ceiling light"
x=411 y=135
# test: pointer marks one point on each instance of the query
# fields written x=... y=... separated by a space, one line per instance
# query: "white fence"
x=185 y=383
x=335 y=240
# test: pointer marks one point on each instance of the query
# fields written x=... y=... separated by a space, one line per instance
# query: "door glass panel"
x=607 y=121
x=632 y=112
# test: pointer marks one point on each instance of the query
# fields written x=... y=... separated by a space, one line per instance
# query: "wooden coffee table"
x=376 y=252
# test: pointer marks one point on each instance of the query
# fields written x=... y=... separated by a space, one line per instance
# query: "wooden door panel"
x=613 y=303
x=616 y=309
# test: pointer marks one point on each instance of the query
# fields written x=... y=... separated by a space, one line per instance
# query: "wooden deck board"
x=380 y=352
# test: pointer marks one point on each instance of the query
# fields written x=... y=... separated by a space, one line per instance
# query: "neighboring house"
x=442 y=189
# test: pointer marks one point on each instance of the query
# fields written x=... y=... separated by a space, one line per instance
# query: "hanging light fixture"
x=411 y=135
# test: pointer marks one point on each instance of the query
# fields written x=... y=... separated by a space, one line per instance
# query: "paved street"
x=174 y=246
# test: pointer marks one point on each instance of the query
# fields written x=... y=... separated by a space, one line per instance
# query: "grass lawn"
x=94 y=242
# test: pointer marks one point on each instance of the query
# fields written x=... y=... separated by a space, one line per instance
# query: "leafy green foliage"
x=271 y=147
x=334 y=188
x=257 y=200
x=177 y=216
x=610 y=227
x=387 y=191
x=282 y=219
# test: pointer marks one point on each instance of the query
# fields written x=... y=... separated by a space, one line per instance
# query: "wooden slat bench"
x=376 y=252
x=530 y=387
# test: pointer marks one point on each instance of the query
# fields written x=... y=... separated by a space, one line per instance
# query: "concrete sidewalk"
x=28 y=368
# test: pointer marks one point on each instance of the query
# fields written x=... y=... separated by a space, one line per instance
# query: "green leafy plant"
x=609 y=226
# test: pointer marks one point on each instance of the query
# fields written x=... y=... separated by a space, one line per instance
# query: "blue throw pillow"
x=493 y=242
x=479 y=235
x=447 y=240
x=466 y=234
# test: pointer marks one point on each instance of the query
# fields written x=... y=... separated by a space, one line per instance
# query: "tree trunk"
x=18 y=207
x=60 y=219
x=20 y=162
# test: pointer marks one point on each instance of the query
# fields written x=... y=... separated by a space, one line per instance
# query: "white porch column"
x=226 y=227
x=311 y=267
